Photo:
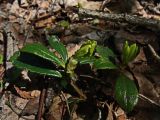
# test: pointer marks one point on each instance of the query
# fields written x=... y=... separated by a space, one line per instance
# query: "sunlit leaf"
x=59 y=47
x=126 y=93
x=86 y=49
x=42 y=51
x=104 y=64
x=129 y=52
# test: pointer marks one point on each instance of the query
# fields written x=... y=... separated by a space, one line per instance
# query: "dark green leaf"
x=15 y=56
x=42 y=51
x=104 y=64
x=59 y=47
x=126 y=93
x=13 y=75
x=35 y=69
x=86 y=60
x=21 y=62
x=104 y=52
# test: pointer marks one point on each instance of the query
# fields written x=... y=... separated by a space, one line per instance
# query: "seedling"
x=38 y=59
x=129 y=52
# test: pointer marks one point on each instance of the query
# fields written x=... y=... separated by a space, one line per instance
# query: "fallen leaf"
x=44 y=4
x=27 y=94
x=120 y=114
x=31 y=107
x=110 y=112
x=72 y=48
x=58 y=108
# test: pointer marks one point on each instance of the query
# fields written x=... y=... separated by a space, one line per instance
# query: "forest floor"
x=30 y=21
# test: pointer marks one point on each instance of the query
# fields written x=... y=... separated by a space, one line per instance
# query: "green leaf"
x=86 y=60
x=71 y=66
x=1 y=59
x=86 y=49
x=104 y=64
x=13 y=75
x=59 y=47
x=15 y=56
x=35 y=69
x=126 y=93
x=42 y=51
x=104 y=52
x=125 y=52
x=129 y=52
x=22 y=62
x=133 y=52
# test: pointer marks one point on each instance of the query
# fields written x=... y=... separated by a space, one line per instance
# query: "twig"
x=66 y=101
x=149 y=100
x=41 y=103
x=94 y=78
x=155 y=55
x=131 y=19
x=79 y=91
x=104 y=3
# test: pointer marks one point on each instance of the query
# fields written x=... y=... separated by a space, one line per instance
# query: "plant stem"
x=79 y=91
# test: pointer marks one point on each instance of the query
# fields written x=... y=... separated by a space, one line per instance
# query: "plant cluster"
x=37 y=58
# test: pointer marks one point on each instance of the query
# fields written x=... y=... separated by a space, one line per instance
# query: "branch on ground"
x=131 y=19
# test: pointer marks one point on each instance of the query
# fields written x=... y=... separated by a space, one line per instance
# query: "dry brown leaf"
x=92 y=5
x=27 y=94
x=45 y=22
x=110 y=113
x=146 y=87
x=58 y=108
x=120 y=114
x=72 y=48
x=31 y=107
x=44 y=4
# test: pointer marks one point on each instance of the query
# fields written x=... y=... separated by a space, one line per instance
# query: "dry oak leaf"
x=58 y=108
x=27 y=94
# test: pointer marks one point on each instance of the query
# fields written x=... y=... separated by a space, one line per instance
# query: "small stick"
x=42 y=97
x=149 y=100
x=156 y=56
x=66 y=101
x=79 y=91
x=41 y=103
